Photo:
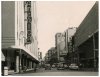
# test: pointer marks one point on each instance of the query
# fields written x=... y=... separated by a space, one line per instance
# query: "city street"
x=50 y=38
x=54 y=72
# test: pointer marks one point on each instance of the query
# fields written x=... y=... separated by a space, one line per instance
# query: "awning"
x=26 y=50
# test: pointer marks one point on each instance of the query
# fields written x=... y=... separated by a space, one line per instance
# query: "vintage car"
x=73 y=66
x=53 y=66
x=60 y=66
x=65 y=66
x=47 y=67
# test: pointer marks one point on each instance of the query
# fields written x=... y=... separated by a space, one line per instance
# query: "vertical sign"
x=29 y=20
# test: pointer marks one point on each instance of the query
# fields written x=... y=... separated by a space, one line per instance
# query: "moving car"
x=73 y=66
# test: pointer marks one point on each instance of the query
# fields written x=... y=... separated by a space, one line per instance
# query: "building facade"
x=60 y=46
x=51 y=56
x=19 y=35
x=64 y=43
x=69 y=33
x=86 y=39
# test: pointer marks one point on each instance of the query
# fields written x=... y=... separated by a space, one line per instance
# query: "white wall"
x=21 y=28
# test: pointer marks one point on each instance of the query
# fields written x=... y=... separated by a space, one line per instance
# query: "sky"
x=57 y=16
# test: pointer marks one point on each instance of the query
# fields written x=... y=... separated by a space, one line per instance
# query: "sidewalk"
x=41 y=70
x=11 y=72
x=89 y=69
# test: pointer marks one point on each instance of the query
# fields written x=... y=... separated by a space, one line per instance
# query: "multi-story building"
x=60 y=46
x=51 y=56
x=86 y=39
x=19 y=35
x=50 y=52
x=69 y=33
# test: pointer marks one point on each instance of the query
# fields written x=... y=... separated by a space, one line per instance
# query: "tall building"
x=19 y=35
x=64 y=43
x=60 y=46
x=69 y=33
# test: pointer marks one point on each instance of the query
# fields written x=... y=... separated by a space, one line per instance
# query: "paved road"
x=55 y=72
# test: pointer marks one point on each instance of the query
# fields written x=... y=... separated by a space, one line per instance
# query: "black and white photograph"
x=50 y=38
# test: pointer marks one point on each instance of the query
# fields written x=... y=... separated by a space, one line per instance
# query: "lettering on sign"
x=27 y=5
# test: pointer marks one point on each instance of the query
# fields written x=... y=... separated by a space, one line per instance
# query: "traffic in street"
x=55 y=72
x=50 y=38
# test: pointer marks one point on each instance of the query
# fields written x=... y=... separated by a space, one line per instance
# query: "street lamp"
x=21 y=35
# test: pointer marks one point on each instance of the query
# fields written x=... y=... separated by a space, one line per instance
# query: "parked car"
x=65 y=66
x=53 y=66
x=73 y=66
x=60 y=67
x=47 y=67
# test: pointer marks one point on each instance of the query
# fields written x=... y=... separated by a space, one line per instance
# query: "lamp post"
x=21 y=35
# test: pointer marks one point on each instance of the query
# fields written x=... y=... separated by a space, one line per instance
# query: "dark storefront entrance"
x=88 y=52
